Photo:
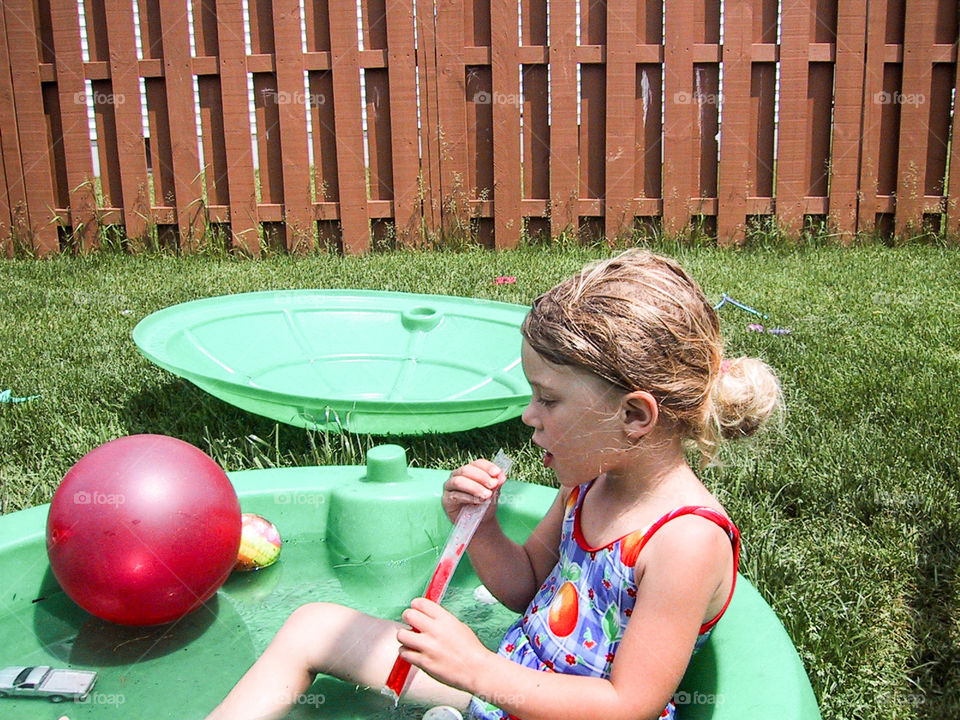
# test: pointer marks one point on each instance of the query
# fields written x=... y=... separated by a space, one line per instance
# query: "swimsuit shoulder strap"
x=724 y=522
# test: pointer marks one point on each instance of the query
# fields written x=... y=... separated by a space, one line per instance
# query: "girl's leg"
x=330 y=639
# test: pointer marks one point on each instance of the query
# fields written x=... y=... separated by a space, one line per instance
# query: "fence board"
x=292 y=102
x=507 y=172
x=11 y=184
x=110 y=189
x=679 y=119
x=351 y=172
x=735 y=145
x=621 y=82
x=451 y=117
x=953 y=186
x=237 y=140
x=36 y=221
x=848 y=110
x=593 y=117
x=794 y=133
x=325 y=175
x=820 y=103
x=6 y=236
x=402 y=83
x=763 y=90
x=429 y=116
x=707 y=105
x=535 y=89
x=872 y=116
x=125 y=93
x=564 y=159
x=914 y=116
x=178 y=78
x=76 y=155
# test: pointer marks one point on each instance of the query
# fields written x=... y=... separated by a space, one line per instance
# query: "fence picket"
x=564 y=153
x=292 y=106
x=351 y=171
x=794 y=132
x=76 y=156
x=33 y=207
x=848 y=107
x=402 y=118
x=237 y=140
x=451 y=94
x=620 y=145
x=736 y=147
x=125 y=98
x=679 y=119
x=505 y=102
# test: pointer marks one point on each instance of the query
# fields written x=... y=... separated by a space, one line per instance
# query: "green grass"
x=850 y=510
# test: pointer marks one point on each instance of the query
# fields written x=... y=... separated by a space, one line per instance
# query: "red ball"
x=143 y=529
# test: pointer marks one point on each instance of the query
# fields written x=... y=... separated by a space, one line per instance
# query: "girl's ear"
x=640 y=413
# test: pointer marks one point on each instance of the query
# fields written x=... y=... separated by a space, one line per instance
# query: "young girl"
x=631 y=566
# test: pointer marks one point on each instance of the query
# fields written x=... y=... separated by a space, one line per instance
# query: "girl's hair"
x=640 y=322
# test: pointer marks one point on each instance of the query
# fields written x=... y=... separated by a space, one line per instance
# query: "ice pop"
x=463 y=530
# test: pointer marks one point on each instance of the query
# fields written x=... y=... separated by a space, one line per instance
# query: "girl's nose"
x=528 y=415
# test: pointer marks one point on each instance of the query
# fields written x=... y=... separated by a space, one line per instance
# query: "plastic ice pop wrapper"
x=467 y=522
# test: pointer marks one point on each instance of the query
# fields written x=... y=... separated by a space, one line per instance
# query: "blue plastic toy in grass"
x=726 y=299
x=752 y=327
x=7 y=396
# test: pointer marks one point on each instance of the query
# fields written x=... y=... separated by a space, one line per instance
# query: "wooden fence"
x=496 y=116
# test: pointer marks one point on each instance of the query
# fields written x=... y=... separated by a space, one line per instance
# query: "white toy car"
x=44 y=681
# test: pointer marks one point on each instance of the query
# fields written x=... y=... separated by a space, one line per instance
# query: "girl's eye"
x=546 y=402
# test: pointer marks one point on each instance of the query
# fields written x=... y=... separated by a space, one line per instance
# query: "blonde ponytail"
x=745 y=395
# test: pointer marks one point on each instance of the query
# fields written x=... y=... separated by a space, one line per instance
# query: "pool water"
x=182 y=670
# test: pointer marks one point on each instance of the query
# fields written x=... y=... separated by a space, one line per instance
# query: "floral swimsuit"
x=576 y=620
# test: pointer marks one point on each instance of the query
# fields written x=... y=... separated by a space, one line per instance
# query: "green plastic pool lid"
x=362 y=361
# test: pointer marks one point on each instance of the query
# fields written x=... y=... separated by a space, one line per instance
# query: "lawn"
x=850 y=509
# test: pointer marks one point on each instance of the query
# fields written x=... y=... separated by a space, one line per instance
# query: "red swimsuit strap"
x=721 y=520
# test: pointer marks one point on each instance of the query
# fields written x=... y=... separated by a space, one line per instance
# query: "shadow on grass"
x=240 y=440
x=936 y=660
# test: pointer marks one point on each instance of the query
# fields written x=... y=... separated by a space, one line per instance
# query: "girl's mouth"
x=547 y=459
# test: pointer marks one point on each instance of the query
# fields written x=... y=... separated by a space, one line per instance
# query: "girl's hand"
x=470 y=485
x=440 y=644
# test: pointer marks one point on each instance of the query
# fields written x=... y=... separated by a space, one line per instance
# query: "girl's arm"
x=510 y=571
x=679 y=584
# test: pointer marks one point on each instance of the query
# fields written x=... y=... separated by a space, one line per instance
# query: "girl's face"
x=576 y=419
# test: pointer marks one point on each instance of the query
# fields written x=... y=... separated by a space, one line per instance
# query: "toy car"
x=44 y=681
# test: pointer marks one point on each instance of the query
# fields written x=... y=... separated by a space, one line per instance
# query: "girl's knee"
x=316 y=615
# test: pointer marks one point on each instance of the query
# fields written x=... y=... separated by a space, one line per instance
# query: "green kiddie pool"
x=361 y=361
x=362 y=536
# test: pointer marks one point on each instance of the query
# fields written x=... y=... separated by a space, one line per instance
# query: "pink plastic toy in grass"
x=467 y=522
